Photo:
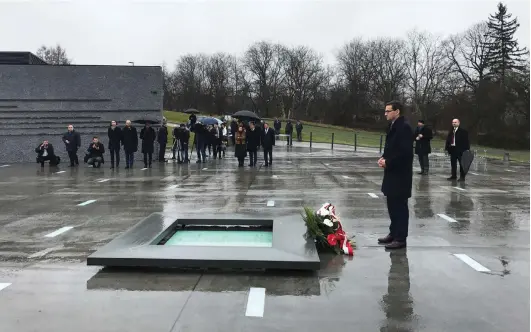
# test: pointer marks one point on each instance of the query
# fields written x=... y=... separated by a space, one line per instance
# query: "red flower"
x=332 y=239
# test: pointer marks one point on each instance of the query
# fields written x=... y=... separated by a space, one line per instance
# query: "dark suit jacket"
x=74 y=140
x=268 y=140
x=40 y=150
x=461 y=141
x=398 y=155
x=423 y=145
x=130 y=139
x=115 y=138
x=93 y=152
x=148 y=136
x=253 y=139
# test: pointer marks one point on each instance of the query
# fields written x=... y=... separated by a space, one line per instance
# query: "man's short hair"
x=94 y=137
x=421 y=121
x=395 y=105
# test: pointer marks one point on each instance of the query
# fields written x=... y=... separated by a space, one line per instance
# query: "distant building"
x=38 y=101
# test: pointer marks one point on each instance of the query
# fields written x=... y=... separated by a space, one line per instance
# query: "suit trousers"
x=253 y=155
x=424 y=162
x=162 y=151
x=115 y=155
x=399 y=215
x=454 y=157
x=268 y=152
x=73 y=158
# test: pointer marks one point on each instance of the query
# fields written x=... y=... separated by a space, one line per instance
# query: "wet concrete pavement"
x=455 y=230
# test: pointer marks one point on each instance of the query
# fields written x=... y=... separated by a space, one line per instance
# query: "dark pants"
x=454 y=157
x=73 y=158
x=253 y=155
x=115 y=155
x=424 y=162
x=218 y=151
x=299 y=136
x=241 y=160
x=43 y=159
x=162 y=151
x=268 y=156
x=399 y=215
x=184 y=152
x=129 y=159
x=290 y=138
x=95 y=162
x=201 y=151
x=146 y=156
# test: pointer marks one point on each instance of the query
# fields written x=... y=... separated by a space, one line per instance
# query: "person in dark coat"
x=298 y=128
x=277 y=125
x=289 y=132
x=201 y=140
x=148 y=135
x=422 y=137
x=233 y=130
x=268 y=141
x=184 y=139
x=95 y=153
x=45 y=152
x=192 y=119
x=397 y=162
x=240 y=147
x=115 y=140
x=218 y=139
x=130 y=143
x=162 y=138
x=456 y=143
x=253 y=143
x=72 y=141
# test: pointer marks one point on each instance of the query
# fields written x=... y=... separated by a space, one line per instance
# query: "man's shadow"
x=397 y=304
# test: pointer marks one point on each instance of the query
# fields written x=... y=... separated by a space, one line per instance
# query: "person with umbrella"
x=240 y=148
x=130 y=143
x=397 y=162
x=456 y=144
x=253 y=142
x=423 y=136
x=148 y=135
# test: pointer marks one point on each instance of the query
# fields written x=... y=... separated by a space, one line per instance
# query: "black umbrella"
x=466 y=160
x=192 y=111
x=209 y=121
x=144 y=121
x=246 y=114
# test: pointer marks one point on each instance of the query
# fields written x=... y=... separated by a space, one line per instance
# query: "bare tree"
x=218 y=71
x=263 y=61
x=54 y=55
x=427 y=69
x=190 y=80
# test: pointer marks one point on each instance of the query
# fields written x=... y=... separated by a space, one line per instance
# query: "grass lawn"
x=322 y=133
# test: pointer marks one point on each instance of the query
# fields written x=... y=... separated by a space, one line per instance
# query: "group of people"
x=288 y=130
x=397 y=162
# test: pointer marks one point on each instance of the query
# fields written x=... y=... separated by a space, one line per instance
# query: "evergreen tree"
x=503 y=53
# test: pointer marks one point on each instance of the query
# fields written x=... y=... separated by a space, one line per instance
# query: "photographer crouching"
x=95 y=153
x=45 y=152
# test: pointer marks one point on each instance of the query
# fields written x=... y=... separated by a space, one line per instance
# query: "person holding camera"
x=45 y=152
x=95 y=153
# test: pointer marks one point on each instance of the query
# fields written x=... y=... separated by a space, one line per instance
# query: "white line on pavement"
x=59 y=231
x=472 y=263
x=510 y=170
x=173 y=186
x=473 y=173
x=373 y=195
x=59 y=172
x=143 y=169
x=458 y=188
x=4 y=285
x=5 y=165
x=327 y=164
x=270 y=203
x=275 y=177
x=44 y=252
x=255 y=302
x=204 y=169
x=346 y=177
x=90 y=201
x=445 y=217
x=104 y=180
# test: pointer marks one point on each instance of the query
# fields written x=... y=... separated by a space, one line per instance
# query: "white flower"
x=328 y=222
x=323 y=212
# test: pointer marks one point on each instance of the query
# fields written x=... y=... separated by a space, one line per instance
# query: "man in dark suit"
x=95 y=151
x=45 y=152
x=148 y=136
x=162 y=138
x=397 y=162
x=253 y=142
x=267 y=142
x=277 y=124
x=115 y=140
x=72 y=141
x=130 y=143
x=422 y=137
x=457 y=143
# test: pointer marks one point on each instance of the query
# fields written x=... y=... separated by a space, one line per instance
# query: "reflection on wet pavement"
x=425 y=288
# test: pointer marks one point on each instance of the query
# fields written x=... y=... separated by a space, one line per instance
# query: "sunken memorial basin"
x=211 y=242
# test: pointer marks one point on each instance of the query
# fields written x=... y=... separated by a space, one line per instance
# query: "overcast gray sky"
x=150 y=32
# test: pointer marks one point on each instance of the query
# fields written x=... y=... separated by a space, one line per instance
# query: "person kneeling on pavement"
x=95 y=153
x=45 y=152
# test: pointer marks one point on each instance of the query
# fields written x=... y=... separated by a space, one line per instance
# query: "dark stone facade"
x=38 y=102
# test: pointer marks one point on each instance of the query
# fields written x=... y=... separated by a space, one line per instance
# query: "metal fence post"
x=381 y=142
x=355 y=142
x=311 y=137
x=332 y=141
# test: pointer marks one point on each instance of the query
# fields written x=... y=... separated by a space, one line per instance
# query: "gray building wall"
x=38 y=102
